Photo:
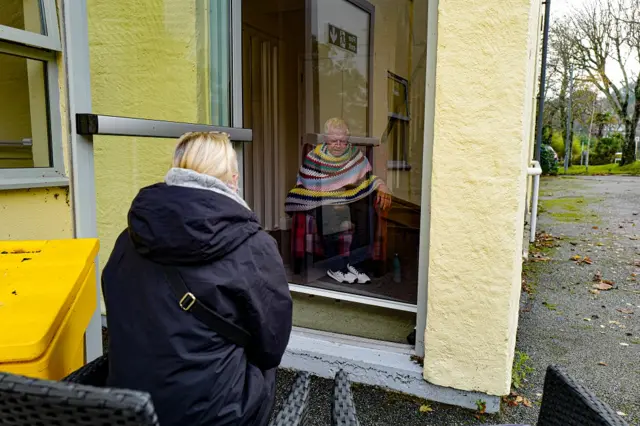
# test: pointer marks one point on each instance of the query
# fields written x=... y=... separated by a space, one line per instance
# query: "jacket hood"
x=191 y=218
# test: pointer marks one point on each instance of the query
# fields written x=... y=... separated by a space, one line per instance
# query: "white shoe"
x=361 y=276
x=342 y=278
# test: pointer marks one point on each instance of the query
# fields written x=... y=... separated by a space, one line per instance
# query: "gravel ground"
x=561 y=322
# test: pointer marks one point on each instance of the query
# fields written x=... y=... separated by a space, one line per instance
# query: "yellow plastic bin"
x=47 y=298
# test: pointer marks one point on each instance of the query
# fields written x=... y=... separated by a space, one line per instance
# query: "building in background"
x=94 y=92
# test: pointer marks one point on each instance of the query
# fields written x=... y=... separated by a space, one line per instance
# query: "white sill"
x=372 y=362
x=33 y=182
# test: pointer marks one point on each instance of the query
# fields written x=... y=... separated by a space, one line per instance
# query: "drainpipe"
x=543 y=78
x=534 y=170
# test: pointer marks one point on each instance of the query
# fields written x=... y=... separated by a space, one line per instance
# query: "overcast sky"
x=559 y=8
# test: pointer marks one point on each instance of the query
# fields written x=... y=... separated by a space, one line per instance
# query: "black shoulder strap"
x=189 y=303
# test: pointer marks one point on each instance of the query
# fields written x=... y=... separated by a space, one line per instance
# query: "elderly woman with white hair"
x=336 y=185
x=199 y=306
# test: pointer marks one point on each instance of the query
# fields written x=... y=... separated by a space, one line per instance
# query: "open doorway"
x=308 y=61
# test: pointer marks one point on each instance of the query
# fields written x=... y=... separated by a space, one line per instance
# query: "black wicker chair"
x=564 y=403
x=28 y=402
x=567 y=403
x=295 y=410
x=93 y=373
x=343 y=411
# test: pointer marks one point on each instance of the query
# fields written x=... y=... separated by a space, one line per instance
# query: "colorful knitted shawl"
x=327 y=180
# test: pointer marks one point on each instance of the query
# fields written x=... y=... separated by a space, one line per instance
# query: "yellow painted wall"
x=147 y=60
x=41 y=213
x=482 y=100
x=35 y=214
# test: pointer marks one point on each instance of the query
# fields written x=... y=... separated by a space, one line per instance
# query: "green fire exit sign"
x=340 y=38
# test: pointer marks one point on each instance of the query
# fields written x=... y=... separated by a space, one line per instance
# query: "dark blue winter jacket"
x=195 y=376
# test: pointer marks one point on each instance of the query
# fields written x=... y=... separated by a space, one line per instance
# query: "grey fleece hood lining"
x=191 y=179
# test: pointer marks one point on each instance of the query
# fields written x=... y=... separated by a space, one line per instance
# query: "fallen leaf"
x=608 y=282
x=595 y=227
x=620 y=413
x=587 y=319
x=600 y=244
x=604 y=364
x=625 y=311
x=425 y=408
x=576 y=258
x=602 y=286
x=538 y=257
x=594 y=291
x=526 y=402
x=587 y=260
x=614 y=322
x=624 y=344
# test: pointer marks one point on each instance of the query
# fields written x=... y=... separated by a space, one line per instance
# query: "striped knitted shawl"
x=327 y=180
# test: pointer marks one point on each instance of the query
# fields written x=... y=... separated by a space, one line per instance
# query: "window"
x=398 y=126
x=30 y=129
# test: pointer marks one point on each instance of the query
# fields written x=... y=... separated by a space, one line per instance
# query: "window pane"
x=24 y=123
x=153 y=59
x=318 y=192
x=342 y=41
x=23 y=15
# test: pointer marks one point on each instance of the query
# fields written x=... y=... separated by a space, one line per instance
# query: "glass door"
x=157 y=70
x=288 y=79
x=334 y=92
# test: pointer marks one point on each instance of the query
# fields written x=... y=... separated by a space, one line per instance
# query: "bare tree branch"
x=598 y=36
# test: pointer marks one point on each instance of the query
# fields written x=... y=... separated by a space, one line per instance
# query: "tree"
x=605 y=149
x=602 y=120
x=583 y=107
x=604 y=32
x=561 y=54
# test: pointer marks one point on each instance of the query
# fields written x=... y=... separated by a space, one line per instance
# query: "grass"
x=569 y=209
x=606 y=169
x=521 y=369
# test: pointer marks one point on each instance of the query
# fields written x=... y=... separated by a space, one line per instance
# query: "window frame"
x=45 y=48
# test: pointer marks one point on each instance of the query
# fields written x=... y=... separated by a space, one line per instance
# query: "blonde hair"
x=209 y=153
x=334 y=124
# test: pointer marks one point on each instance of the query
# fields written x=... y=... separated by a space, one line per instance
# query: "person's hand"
x=383 y=198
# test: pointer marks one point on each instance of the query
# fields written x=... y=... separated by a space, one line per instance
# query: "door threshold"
x=372 y=362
